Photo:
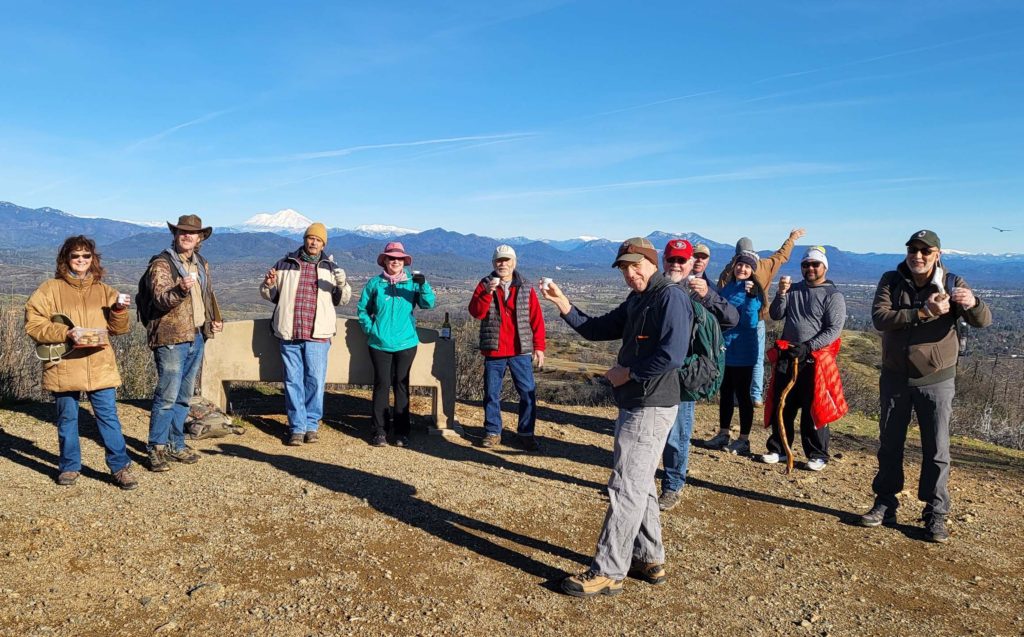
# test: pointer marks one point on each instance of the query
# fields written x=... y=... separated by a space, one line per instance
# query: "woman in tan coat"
x=77 y=296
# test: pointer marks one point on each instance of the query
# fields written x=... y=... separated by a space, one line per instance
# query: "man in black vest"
x=511 y=337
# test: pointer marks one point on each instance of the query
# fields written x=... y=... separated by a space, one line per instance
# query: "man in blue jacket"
x=654 y=325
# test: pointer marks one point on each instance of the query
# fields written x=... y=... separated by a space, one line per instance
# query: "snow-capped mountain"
x=286 y=220
x=381 y=231
x=570 y=244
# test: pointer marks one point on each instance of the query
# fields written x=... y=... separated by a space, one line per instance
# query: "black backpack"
x=144 y=298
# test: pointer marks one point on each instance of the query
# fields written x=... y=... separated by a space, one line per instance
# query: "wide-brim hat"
x=394 y=249
x=191 y=223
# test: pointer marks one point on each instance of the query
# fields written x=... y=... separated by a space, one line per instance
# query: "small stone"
x=804 y=623
x=169 y=626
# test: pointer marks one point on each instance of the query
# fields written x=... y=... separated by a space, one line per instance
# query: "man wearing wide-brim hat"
x=654 y=325
x=177 y=305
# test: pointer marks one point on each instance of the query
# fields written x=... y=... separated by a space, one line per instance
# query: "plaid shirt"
x=305 y=303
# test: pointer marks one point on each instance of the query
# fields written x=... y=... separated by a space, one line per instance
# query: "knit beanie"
x=748 y=257
x=317 y=230
x=744 y=245
x=816 y=253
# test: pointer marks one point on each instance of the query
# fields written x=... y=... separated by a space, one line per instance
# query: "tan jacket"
x=174 y=308
x=328 y=295
x=763 y=275
x=87 y=303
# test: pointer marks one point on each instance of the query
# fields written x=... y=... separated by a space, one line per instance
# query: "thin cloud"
x=344 y=152
x=774 y=171
x=173 y=129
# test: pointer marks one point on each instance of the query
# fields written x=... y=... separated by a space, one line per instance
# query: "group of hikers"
x=684 y=336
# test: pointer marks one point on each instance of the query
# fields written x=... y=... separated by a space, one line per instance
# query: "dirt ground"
x=445 y=538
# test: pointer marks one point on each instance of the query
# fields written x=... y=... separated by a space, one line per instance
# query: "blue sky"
x=859 y=120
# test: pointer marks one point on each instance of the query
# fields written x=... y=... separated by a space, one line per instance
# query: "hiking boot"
x=379 y=440
x=67 y=478
x=815 y=464
x=158 y=459
x=720 y=440
x=185 y=455
x=877 y=516
x=668 y=500
x=935 y=529
x=529 y=443
x=490 y=440
x=738 y=447
x=311 y=437
x=125 y=478
x=589 y=584
x=402 y=441
x=649 y=572
x=768 y=458
x=295 y=440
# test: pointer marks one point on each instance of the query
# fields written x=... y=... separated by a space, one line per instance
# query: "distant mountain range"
x=264 y=237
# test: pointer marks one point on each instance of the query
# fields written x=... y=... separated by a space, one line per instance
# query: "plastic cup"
x=545 y=282
x=749 y=285
x=495 y=280
x=124 y=299
x=786 y=279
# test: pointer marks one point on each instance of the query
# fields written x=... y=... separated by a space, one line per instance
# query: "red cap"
x=680 y=248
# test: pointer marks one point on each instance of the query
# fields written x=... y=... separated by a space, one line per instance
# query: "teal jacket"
x=386 y=312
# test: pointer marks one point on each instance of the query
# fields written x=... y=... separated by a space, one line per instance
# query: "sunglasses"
x=676 y=260
x=927 y=252
x=702 y=257
x=80 y=255
x=811 y=264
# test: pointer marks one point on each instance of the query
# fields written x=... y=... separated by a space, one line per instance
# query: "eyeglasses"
x=701 y=257
x=676 y=260
x=811 y=264
x=80 y=255
x=925 y=252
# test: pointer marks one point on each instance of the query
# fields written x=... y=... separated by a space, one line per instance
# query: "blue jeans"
x=676 y=455
x=522 y=377
x=757 y=383
x=305 y=375
x=176 y=369
x=105 y=411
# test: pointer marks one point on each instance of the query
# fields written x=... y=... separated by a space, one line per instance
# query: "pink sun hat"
x=394 y=249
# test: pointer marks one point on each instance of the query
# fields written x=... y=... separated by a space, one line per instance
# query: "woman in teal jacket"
x=386 y=316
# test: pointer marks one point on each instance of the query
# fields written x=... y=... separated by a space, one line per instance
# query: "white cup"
x=495 y=280
x=690 y=277
x=415 y=272
x=545 y=282
x=785 y=278
x=124 y=299
x=748 y=285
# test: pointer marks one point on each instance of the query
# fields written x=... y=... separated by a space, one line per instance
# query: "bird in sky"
x=1002 y=229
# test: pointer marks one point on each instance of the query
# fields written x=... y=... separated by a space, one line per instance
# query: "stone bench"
x=249 y=351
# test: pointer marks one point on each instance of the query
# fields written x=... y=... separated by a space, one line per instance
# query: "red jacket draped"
x=829 y=404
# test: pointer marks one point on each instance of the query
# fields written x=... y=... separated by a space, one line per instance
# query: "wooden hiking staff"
x=782 y=425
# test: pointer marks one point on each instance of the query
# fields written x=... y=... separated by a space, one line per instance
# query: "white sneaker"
x=769 y=458
x=739 y=447
x=720 y=440
x=816 y=464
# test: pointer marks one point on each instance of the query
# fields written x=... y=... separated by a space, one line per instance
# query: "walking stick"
x=782 y=425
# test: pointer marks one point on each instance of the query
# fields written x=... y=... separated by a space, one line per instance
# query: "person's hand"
x=617 y=375
x=538 y=359
x=339 y=277
x=963 y=297
x=270 y=279
x=938 y=304
x=217 y=326
x=799 y=351
x=186 y=282
x=784 y=285
x=699 y=286
x=554 y=294
x=419 y=278
x=796 y=233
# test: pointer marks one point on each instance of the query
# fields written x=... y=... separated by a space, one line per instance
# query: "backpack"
x=144 y=298
x=704 y=367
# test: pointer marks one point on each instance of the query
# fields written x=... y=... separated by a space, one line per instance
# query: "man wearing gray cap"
x=654 y=325
x=916 y=308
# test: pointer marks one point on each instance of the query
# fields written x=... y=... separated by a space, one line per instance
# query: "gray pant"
x=933 y=405
x=632 y=527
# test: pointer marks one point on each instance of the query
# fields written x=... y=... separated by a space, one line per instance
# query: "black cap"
x=926 y=237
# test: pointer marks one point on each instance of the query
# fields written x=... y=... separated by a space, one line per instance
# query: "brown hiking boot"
x=490 y=440
x=185 y=455
x=311 y=437
x=126 y=479
x=295 y=440
x=158 y=459
x=589 y=584
x=649 y=572
x=67 y=478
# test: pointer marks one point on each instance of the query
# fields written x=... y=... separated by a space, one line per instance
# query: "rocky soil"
x=445 y=538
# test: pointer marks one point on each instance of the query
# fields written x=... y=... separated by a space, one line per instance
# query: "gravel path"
x=342 y=538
